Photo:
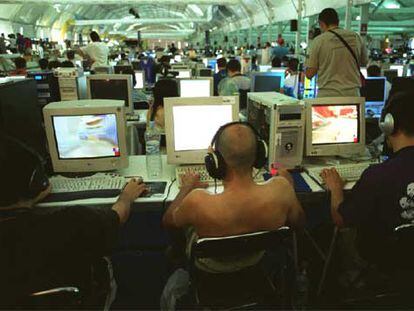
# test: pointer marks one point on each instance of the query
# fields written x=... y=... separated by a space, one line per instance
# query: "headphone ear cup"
x=388 y=124
x=261 y=154
x=38 y=182
x=215 y=165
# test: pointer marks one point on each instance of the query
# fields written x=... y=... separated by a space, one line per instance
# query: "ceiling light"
x=358 y=18
x=391 y=4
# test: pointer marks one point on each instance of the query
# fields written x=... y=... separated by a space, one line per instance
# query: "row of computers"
x=90 y=135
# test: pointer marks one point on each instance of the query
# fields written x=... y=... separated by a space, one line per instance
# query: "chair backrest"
x=403 y=253
x=165 y=88
x=242 y=244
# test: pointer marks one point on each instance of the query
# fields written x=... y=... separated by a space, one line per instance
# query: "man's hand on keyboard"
x=191 y=181
x=332 y=180
x=134 y=189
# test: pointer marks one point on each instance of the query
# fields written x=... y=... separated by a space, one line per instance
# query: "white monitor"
x=399 y=68
x=183 y=73
x=190 y=125
x=200 y=87
x=364 y=72
x=111 y=87
x=140 y=78
x=335 y=126
x=86 y=135
x=264 y=68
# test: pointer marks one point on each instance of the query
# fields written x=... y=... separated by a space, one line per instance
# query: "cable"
x=168 y=193
x=215 y=186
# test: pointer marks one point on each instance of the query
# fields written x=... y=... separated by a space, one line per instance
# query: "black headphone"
x=38 y=180
x=214 y=161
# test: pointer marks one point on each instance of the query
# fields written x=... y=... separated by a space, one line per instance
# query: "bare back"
x=243 y=210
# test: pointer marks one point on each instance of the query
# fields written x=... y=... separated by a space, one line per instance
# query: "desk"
x=137 y=167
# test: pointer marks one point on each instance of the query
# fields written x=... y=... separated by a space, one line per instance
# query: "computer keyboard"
x=96 y=182
x=204 y=176
x=100 y=185
x=348 y=172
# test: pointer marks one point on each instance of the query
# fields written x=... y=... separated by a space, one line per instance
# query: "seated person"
x=70 y=55
x=292 y=79
x=43 y=64
x=383 y=198
x=45 y=248
x=235 y=82
x=67 y=64
x=54 y=64
x=243 y=207
x=375 y=71
x=21 y=69
x=124 y=60
x=221 y=74
x=276 y=62
x=163 y=88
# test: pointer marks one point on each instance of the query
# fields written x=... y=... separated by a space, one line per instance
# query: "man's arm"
x=130 y=193
x=312 y=63
x=335 y=185
x=179 y=213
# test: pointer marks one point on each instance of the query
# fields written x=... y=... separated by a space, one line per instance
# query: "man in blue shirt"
x=221 y=74
x=383 y=198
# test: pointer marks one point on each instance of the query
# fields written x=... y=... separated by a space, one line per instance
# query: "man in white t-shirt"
x=96 y=51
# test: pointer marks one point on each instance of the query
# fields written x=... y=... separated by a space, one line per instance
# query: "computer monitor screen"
x=178 y=58
x=374 y=92
x=182 y=74
x=399 y=68
x=111 y=87
x=195 y=126
x=86 y=136
x=364 y=72
x=267 y=82
x=335 y=126
x=212 y=63
x=196 y=88
x=139 y=77
x=191 y=124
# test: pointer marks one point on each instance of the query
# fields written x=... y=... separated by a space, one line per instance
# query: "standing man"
x=337 y=69
x=96 y=51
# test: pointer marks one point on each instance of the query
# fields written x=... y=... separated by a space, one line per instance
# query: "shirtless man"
x=243 y=206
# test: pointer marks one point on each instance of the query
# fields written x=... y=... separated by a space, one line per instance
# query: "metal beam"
x=123 y=2
x=396 y=11
x=146 y=21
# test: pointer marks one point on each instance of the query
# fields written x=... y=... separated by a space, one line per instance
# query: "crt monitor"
x=190 y=124
x=335 y=126
x=264 y=68
x=374 y=92
x=140 y=78
x=111 y=87
x=201 y=87
x=86 y=135
x=399 y=68
x=183 y=73
x=267 y=81
x=120 y=69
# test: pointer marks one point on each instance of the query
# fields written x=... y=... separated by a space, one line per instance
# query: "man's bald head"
x=237 y=145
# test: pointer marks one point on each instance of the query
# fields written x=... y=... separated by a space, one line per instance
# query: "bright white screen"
x=184 y=74
x=195 y=88
x=139 y=76
x=264 y=68
x=195 y=126
x=87 y=136
x=364 y=72
x=399 y=68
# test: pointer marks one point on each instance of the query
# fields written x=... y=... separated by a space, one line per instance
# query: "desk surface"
x=137 y=167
